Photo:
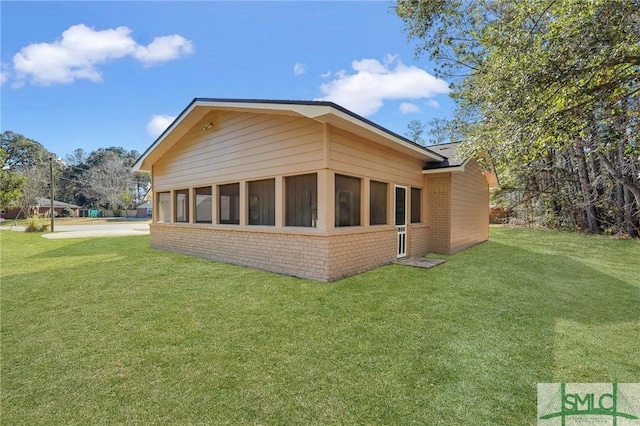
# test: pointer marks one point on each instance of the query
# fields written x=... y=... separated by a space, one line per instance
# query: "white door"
x=401 y=219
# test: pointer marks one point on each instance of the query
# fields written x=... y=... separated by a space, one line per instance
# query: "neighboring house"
x=42 y=206
x=145 y=209
x=308 y=189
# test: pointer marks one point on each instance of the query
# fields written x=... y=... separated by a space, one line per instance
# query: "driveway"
x=83 y=231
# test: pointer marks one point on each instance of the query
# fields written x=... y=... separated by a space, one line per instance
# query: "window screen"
x=229 y=202
x=301 y=200
x=416 y=203
x=203 y=205
x=347 y=201
x=378 y=203
x=182 y=205
x=164 y=207
x=262 y=202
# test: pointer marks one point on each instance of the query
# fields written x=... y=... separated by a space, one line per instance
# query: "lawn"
x=107 y=330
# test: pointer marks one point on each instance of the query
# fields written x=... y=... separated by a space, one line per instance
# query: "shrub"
x=34 y=224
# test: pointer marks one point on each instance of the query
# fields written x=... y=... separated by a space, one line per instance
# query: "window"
x=416 y=205
x=378 y=203
x=229 y=202
x=182 y=205
x=347 y=201
x=203 y=207
x=262 y=202
x=164 y=207
x=301 y=200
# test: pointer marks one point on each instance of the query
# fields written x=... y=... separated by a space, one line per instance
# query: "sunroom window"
x=262 y=202
x=416 y=203
x=301 y=200
x=229 y=202
x=182 y=205
x=347 y=201
x=164 y=207
x=378 y=203
x=204 y=204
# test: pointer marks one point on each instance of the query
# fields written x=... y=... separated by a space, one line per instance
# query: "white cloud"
x=409 y=108
x=162 y=49
x=326 y=74
x=433 y=103
x=159 y=124
x=365 y=91
x=299 y=68
x=389 y=58
x=81 y=49
x=4 y=74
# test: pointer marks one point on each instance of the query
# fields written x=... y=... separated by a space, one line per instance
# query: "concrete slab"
x=420 y=262
x=88 y=231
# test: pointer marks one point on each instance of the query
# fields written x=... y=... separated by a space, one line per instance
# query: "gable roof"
x=322 y=111
x=455 y=163
x=450 y=152
x=46 y=202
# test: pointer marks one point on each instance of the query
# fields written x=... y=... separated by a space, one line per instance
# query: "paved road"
x=83 y=231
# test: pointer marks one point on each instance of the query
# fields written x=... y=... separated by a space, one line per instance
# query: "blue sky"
x=99 y=74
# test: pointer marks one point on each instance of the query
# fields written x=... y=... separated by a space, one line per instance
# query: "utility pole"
x=52 y=212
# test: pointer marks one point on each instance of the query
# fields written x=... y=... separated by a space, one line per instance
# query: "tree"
x=86 y=179
x=29 y=160
x=36 y=185
x=415 y=131
x=108 y=180
x=70 y=184
x=438 y=131
x=11 y=183
x=546 y=86
x=435 y=131
x=22 y=152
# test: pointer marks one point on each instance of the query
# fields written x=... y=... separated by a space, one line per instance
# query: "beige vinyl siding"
x=241 y=146
x=352 y=155
x=469 y=208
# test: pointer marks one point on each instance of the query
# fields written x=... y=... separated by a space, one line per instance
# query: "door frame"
x=402 y=230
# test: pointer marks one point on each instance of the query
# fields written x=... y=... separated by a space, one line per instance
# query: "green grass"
x=109 y=331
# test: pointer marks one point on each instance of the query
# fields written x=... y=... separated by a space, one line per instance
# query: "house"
x=42 y=206
x=144 y=209
x=308 y=189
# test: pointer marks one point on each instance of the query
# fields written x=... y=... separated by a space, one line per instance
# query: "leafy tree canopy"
x=544 y=86
x=11 y=183
x=22 y=152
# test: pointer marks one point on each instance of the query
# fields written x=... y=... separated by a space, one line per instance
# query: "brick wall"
x=353 y=253
x=439 y=209
x=418 y=240
x=314 y=255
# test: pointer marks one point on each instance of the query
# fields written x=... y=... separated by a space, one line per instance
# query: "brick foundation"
x=311 y=254
x=418 y=240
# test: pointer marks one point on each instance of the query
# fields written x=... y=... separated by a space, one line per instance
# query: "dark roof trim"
x=443 y=165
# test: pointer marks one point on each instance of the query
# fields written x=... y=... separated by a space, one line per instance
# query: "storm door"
x=401 y=219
